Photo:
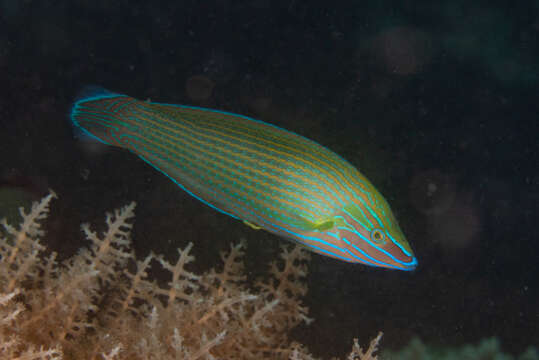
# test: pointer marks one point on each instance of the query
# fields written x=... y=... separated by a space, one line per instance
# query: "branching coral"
x=92 y=307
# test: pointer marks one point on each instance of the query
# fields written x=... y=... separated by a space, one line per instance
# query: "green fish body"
x=256 y=172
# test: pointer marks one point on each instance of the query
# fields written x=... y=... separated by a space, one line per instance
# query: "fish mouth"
x=403 y=266
x=411 y=265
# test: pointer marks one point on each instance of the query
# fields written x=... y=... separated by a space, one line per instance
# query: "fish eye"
x=378 y=236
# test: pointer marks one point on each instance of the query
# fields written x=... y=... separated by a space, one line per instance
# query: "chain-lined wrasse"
x=256 y=172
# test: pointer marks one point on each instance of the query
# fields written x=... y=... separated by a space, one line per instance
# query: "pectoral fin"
x=320 y=225
x=324 y=224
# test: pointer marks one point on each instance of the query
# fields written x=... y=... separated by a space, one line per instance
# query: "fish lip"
x=410 y=266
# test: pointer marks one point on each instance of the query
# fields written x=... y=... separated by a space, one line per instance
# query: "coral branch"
x=93 y=306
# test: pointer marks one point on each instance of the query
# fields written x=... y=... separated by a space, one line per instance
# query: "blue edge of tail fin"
x=88 y=93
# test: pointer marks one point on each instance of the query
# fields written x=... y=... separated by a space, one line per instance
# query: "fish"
x=256 y=172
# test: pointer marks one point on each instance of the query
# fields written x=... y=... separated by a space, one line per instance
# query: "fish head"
x=372 y=236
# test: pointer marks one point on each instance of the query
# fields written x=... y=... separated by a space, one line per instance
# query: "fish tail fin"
x=94 y=91
x=93 y=114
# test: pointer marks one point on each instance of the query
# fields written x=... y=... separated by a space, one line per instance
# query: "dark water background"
x=436 y=102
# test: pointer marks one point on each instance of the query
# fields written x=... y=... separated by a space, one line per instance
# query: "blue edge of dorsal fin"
x=87 y=93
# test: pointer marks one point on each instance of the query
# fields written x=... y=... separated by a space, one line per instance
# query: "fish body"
x=256 y=172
